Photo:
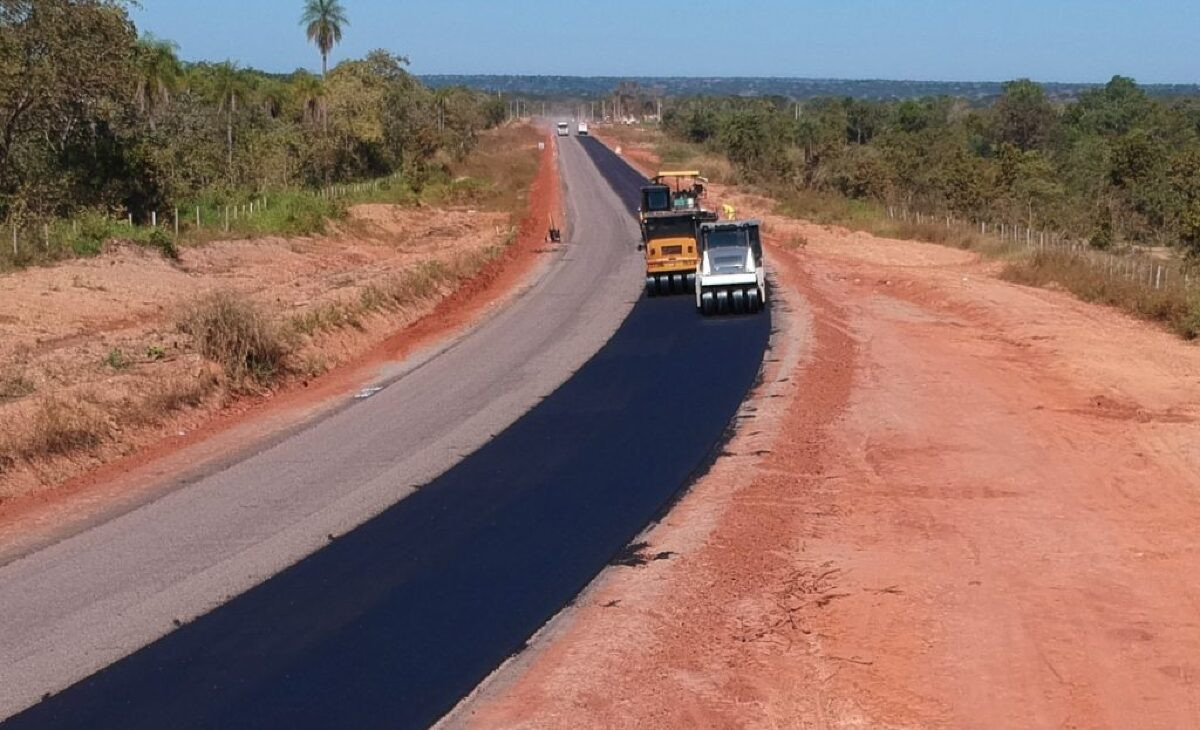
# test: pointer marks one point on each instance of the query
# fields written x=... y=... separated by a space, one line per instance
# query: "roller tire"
x=737 y=301
x=753 y=302
x=723 y=302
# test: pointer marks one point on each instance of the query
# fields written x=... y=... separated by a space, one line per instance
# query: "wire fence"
x=32 y=238
x=1132 y=263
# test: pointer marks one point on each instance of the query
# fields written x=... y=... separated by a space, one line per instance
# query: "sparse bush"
x=89 y=233
x=116 y=359
x=59 y=427
x=164 y=242
x=238 y=336
x=172 y=394
x=1188 y=325
x=154 y=352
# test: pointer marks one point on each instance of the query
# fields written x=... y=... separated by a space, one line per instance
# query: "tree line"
x=95 y=117
x=1113 y=166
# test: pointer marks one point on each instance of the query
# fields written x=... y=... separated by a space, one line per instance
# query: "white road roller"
x=731 y=275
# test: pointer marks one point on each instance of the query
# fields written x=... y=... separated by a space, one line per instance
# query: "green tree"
x=1185 y=183
x=1024 y=115
x=323 y=21
x=1113 y=110
x=64 y=71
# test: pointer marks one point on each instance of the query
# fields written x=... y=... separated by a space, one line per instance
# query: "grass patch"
x=495 y=176
x=286 y=213
x=173 y=394
x=425 y=281
x=239 y=337
x=116 y=359
x=1177 y=307
x=871 y=217
x=56 y=427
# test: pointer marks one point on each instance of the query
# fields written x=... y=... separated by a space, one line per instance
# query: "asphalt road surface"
x=392 y=622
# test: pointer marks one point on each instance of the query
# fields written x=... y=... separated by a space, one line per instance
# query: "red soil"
x=975 y=508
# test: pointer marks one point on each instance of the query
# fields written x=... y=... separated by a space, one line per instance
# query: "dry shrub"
x=55 y=427
x=238 y=336
x=176 y=393
x=425 y=281
x=14 y=385
x=1177 y=307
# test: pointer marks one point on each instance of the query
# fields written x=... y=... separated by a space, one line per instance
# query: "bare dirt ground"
x=102 y=334
x=954 y=502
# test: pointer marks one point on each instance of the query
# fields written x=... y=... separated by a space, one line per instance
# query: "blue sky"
x=951 y=40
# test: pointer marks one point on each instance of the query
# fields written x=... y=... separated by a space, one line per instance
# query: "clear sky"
x=950 y=40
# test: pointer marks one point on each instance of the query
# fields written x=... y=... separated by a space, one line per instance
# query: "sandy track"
x=976 y=509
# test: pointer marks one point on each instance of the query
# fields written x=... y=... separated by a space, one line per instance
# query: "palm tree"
x=158 y=72
x=323 y=21
x=228 y=87
x=310 y=92
x=272 y=95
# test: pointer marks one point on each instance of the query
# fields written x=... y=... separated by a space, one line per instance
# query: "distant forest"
x=596 y=87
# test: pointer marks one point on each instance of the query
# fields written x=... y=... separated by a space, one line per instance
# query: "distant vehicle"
x=563 y=129
x=582 y=129
x=670 y=217
x=732 y=275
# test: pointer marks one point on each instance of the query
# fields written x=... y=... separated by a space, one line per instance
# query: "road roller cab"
x=670 y=216
x=731 y=275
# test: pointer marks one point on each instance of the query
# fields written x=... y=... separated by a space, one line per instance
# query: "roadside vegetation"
x=234 y=341
x=107 y=136
x=1099 y=195
x=1113 y=167
x=107 y=132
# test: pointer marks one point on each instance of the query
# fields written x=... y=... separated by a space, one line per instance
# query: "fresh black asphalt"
x=392 y=624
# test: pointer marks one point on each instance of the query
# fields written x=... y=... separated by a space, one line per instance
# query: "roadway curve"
x=392 y=622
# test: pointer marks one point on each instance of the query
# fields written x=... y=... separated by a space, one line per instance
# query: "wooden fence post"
x=177 y=222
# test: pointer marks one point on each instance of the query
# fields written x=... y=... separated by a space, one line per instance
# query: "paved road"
x=79 y=605
x=393 y=622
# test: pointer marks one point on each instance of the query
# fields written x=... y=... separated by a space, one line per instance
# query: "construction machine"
x=670 y=214
x=731 y=275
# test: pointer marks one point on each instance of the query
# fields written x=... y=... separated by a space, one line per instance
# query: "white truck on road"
x=731 y=275
x=563 y=129
x=582 y=129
